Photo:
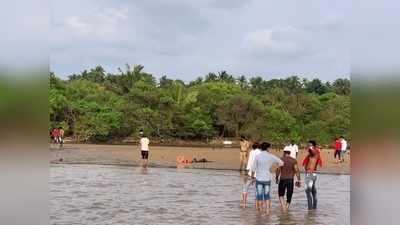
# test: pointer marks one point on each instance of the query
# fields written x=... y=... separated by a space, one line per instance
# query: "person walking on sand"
x=260 y=171
x=344 y=148
x=285 y=179
x=248 y=182
x=144 y=149
x=310 y=163
x=338 y=150
x=244 y=148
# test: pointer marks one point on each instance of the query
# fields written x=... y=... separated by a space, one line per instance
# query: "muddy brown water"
x=98 y=194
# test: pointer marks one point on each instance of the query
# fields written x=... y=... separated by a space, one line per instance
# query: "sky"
x=184 y=39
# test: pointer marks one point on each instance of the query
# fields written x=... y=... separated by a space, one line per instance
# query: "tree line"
x=98 y=106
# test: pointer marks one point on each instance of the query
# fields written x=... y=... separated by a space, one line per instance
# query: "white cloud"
x=188 y=38
x=101 y=25
x=281 y=40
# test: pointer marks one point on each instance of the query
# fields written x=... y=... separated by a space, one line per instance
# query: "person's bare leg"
x=244 y=200
x=241 y=164
x=260 y=205
x=283 y=203
x=144 y=163
x=268 y=206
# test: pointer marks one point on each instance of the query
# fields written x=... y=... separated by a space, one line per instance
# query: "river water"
x=96 y=194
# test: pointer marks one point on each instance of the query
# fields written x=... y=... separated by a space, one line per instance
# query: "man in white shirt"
x=344 y=147
x=248 y=182
x=260 y=170
x=293 y=149
x=144 y=149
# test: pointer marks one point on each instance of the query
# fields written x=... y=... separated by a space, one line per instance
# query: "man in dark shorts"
x=285 y=179
x=144 y=149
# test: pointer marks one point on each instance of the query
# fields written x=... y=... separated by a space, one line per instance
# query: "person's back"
x=260 y=170
x=292 y=149
x=56 y=133
x=285 y=179
x=144 y=149
x=263 y=163
x=144 y=144
x=287 y=171
x=296 y=150
x=344 y=144
x=338 y=145
x=253 y=153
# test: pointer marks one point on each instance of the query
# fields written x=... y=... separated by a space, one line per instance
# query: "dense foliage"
x=99 y=106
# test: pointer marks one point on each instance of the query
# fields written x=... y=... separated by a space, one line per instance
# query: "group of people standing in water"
x=261 y=164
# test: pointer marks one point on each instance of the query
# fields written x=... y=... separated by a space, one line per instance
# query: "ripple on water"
x=90 y=194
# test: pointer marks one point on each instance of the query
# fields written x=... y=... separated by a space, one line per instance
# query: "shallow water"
x=95 y=194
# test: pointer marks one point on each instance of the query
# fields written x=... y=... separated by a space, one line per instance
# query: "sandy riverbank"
x=165 y=156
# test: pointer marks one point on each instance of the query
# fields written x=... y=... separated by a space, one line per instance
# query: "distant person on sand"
x=61 y=136
x=56 y=135
x=248 y=182
x=310 y=163
x=285 y=179
x=260 y=170
x=338 y=150
x=344 y=147
x=144 y=149
x=244 y=148
x=293 y=149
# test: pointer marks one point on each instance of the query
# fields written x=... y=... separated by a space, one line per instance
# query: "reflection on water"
x=92 y=194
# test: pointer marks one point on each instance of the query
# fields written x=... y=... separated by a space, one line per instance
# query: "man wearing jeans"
x=310 y=163
x=260 y=170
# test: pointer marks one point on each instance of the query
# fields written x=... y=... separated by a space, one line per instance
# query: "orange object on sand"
x=189 y=160
x=181 y=159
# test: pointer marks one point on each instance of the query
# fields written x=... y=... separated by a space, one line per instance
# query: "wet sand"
x=165 y=156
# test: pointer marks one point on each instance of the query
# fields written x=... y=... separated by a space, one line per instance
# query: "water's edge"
x=173 y=166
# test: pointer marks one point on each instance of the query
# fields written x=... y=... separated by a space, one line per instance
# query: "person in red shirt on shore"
x=311 y=163
x=56 y=135
x=338 y=149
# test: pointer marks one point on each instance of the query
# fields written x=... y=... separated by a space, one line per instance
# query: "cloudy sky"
x=184 y=39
